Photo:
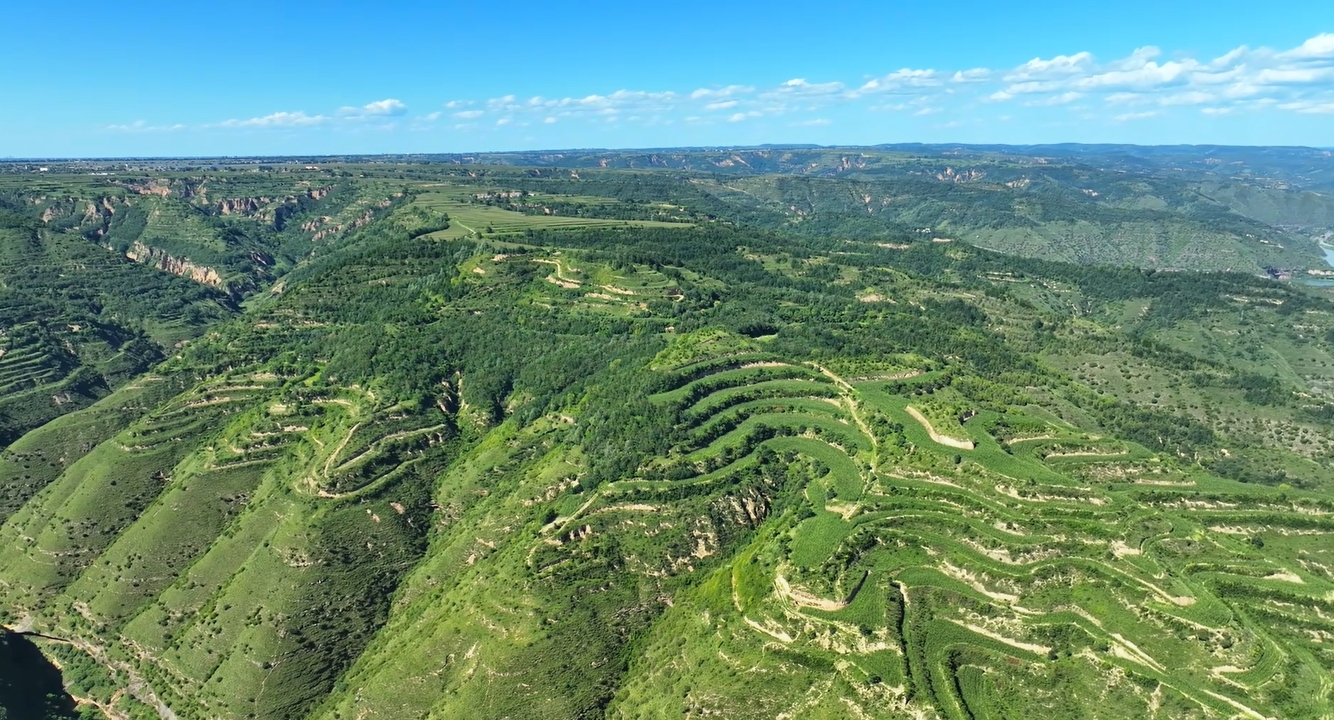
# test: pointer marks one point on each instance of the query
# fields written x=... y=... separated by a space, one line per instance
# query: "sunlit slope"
x=236 y=232
x=77 y=322
x=666 y=472
x=228 y=530
x=891 y=574
x=1085 y=210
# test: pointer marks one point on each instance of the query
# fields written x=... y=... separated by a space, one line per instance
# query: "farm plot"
x=474 y=219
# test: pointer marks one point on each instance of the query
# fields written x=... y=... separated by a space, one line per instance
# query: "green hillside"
x=637 y=443
x=1022 y=205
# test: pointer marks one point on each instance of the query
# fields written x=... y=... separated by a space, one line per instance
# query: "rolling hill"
x=648 y=443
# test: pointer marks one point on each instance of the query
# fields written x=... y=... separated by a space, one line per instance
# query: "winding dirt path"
x=849 y=394
x=937 y=437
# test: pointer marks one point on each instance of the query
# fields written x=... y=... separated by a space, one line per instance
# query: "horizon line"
x=673 y=148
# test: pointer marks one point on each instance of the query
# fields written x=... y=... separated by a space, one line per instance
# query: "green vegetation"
x=486 y=441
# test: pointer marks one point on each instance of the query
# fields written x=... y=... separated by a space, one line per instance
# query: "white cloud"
x=1143 y=83
x=1320 y=47
x=277 y=120
x=1122 y=98
x=976 y=75
x=721 y=93
x=799 y=88
x=1190 y=97
x=1148 y=75
x=1292 y=80
x=142 y=126
x=379 y=108
x=816 y=122
x=1057 y=67
x=1064 y=98
x=1310 y=106
x=907 y=80
x=1294 y=76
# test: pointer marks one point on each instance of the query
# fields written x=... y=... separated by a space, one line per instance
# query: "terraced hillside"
x=681 y=468
x=1240 y=209
x=77 y=322
x=923 y=569
x=232 y=231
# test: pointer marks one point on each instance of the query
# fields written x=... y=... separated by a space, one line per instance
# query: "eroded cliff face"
x=158 y=258
x=322 y=229
x=242 y=206
x=160 y=188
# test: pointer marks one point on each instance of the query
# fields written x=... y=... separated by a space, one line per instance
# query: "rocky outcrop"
x=159 y=188
x=323 y=231
x=316 y=224
x=100 y=213
x=242 y=206
x=158 y=258
x=960 y=176
x=194 y=189
x=846 y=163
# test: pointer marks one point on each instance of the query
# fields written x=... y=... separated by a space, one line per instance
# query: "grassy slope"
x=547 y=477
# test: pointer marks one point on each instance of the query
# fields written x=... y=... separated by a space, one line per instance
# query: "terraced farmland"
x=633 y=470
x=892 y=574
x=468 y=218
x=915 y=575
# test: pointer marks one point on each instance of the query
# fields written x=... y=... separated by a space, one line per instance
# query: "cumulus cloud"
x=380 y=108
x=799 y=88
x=975 y=75
x=721 y=93
x=1060 y=66
x=1142 y=84
x=905 y=80
x=382 y=112
x=277 y=120
x=1294 y=80
x=1320 y=47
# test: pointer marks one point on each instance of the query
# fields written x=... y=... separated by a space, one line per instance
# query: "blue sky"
x=170 y=78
